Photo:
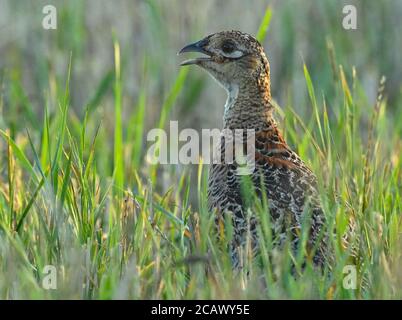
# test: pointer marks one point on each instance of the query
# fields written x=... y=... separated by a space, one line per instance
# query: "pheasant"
x=237 y=61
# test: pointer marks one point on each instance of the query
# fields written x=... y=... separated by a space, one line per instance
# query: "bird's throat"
x=233 y=92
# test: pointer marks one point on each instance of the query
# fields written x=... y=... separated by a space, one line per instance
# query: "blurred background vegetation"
x=150 y=34
x=77 y=134
x=33 y=64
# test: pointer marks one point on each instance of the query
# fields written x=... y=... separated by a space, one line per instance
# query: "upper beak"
x=198 y=46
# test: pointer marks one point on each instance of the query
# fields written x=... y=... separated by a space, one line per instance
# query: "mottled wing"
x=290 y=187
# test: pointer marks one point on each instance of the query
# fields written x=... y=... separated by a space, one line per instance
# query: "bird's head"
x=231 y=57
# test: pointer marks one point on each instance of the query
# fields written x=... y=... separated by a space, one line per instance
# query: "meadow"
x=84 y=215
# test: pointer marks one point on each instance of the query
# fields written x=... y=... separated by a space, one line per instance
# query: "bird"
x=237 y=61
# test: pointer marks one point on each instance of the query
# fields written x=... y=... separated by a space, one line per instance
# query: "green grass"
x=84 y=199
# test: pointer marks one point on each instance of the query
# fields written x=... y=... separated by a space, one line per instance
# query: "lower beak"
x=198 y=46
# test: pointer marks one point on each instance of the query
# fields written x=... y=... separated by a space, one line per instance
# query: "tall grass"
x=89 y=204
x=118 y=130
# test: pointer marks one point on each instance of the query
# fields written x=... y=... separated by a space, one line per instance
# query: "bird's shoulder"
x=272 y=151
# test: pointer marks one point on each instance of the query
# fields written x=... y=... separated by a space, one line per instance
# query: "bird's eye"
x=228 y=47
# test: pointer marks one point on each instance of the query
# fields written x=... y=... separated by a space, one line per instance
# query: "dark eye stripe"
x=228 y=47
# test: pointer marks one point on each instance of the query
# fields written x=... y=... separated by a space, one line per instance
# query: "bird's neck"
x=248 y=105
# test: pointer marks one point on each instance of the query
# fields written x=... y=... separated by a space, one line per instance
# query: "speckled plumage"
x=238 y=62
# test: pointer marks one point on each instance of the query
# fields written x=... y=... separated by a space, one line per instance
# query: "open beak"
x=198 y=46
